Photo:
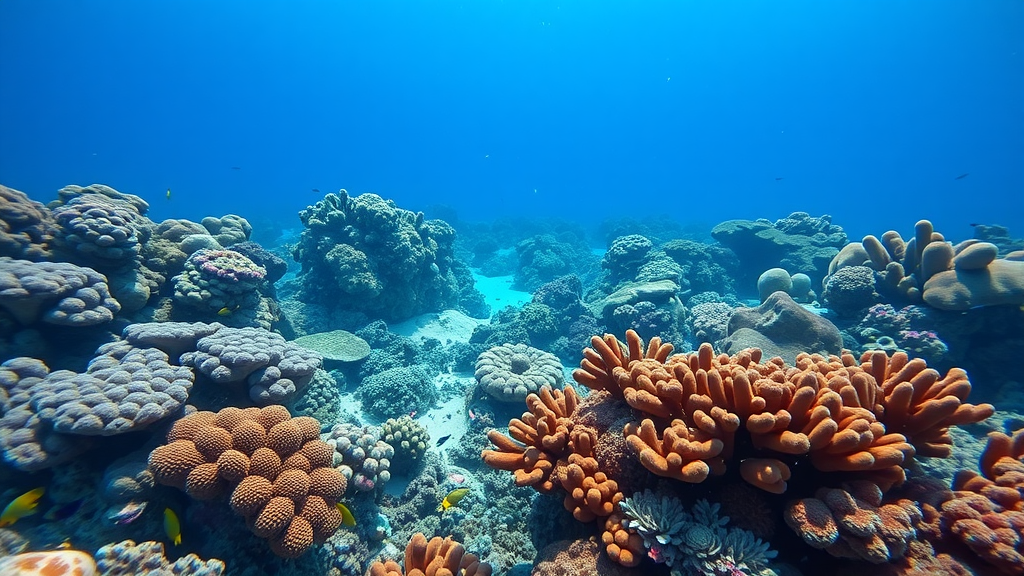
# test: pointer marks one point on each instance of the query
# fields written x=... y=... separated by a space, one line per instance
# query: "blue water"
x=866 y=110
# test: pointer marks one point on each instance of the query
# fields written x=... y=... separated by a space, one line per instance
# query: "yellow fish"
x=168 y=193
x=171 y=526
x=452 y=498
x=346 y=515
x=24 y=505
x=225 y=311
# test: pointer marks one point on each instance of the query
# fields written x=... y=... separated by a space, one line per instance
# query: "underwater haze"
x=866 y=110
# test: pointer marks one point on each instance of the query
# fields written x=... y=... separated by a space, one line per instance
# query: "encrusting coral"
x=275 y=467
x=435 y=557
x=698 y=415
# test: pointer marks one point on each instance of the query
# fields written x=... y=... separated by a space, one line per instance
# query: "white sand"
x=498 y=291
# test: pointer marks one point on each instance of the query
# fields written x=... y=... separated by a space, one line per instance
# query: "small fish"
x=64 y=510
x=412 y=414
x=346 y=515
x=974 y=224
x=65 y=545
x=128 y=513
x=317 y=190
x=24 y=505
x=236 y=167
x=443 y=439
x=171 y=526
x=472 y=415
x=168 y=193
x=452 y=498
x=225 y=311
x=777 y=179
x=962 y=176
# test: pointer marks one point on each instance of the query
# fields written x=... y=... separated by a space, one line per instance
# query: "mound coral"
x=130 y=559
x=511 y=371
x=276 y=468
x=26 y=226
x=365 y=254
x=434 y=557
x=409 y=440
x=929 y=269
x=55 y=293
x=361 y=456
x=699 y=415
x=217 y=279
x=273 y=369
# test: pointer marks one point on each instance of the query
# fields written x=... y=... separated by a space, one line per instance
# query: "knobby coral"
x=434 y=557
x=275 y=467
x=511 y=371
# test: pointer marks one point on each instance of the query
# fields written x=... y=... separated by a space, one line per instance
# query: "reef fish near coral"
x=453 y=498
x=171 y=526
x=24 y=505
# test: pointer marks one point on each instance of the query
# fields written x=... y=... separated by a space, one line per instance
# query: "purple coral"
x=361 y=456
x=274 y=369
x=55 y=292
x=216 y=279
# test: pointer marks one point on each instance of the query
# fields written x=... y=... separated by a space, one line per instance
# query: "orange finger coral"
x=275 y=468
x=436 y=557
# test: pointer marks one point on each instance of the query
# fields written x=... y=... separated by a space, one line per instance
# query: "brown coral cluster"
x=275 y=468
x=435 y=557
x=697 y=415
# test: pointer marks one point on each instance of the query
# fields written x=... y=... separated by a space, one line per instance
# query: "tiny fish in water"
x=225 y=311
x=317 y=190
x=168 y=193
x=63 y=511
x=962 y=176
x=777 y=179
x=472 y=415
x=129 y=513
x=24 y=505
x=236 y=167
x=171 y=526
x=346 y=515
x=452 y=498
x=443 y=439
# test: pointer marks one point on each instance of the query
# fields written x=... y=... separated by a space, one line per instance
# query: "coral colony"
x=176 y=398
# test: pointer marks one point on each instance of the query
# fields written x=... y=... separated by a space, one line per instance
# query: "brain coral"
x=512 y=371
x=366 y=254
x=275 y=467
x=274 y=369
x=56 y=293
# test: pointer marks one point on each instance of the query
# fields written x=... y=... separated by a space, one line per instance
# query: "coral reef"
x=275 y=467
x=337 y=345
x=219 y=279
x=781 y=327
x=147 y=558
x=511 y=371
x=365 y=254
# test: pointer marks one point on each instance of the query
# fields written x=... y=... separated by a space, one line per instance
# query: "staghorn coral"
x=696 y=543
x=511 y=371
x=434 y=557
x=127 y=558
x=276 y=469
x=55 y=293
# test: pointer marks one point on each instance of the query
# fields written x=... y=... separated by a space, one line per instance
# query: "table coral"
x=275 y=467
x=55 y=293
x=434 y=557
x=511 y=371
